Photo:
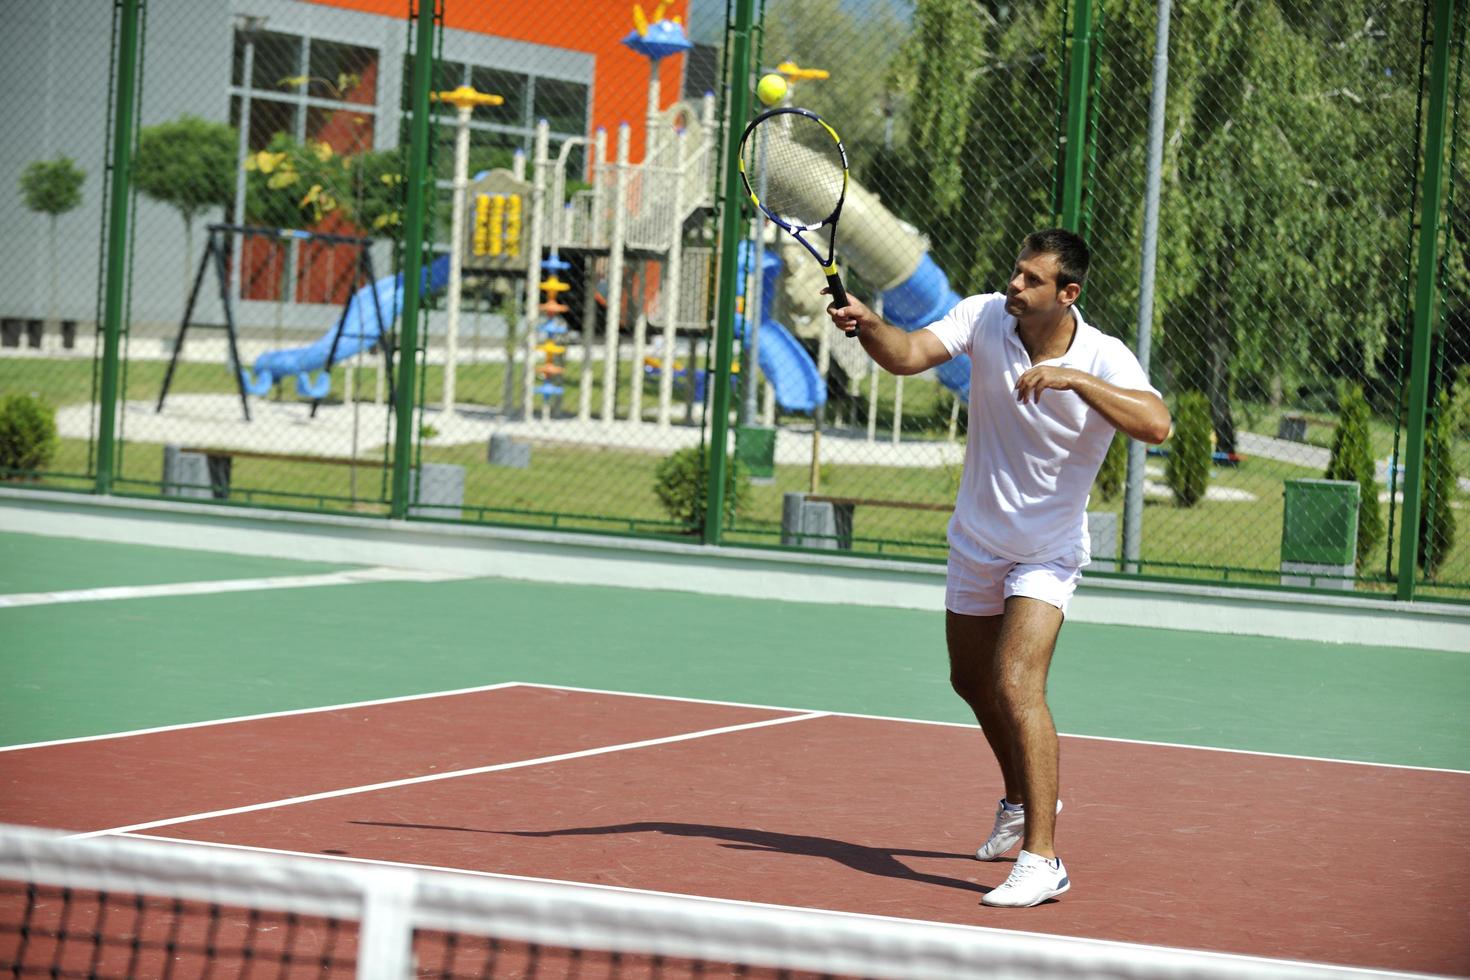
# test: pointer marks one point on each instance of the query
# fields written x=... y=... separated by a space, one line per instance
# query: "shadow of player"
x=880 y=861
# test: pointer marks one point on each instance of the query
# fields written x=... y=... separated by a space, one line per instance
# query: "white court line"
x=968 y=725
x=724 y=704
x=1243 y=958
x=349 y=577
x=289 y=712
x=436 y=777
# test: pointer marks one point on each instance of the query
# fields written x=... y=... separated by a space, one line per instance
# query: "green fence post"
x=1430 y=197
x=731 y=228
x=413 y=256
x=120 y=191
x=1078 y=72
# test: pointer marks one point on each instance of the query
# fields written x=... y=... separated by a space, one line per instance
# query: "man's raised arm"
x=896 y=351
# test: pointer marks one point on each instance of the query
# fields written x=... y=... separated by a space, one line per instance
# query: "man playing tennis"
x=1047 y=391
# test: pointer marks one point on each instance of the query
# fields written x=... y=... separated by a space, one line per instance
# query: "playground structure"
x=365 y=323
x=628 y=227
x=550 y=372
x=631 y=217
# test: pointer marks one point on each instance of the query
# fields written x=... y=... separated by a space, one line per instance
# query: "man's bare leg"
x=972 y=644
x=1023 y=652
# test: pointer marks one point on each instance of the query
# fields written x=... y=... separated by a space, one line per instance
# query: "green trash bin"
x=755 y=447
x=1319 y=533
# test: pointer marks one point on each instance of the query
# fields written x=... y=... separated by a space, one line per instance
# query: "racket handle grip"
x=839 y=296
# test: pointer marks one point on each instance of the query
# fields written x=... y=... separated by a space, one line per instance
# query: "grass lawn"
x=609 y=489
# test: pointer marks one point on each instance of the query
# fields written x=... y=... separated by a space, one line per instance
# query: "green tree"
x=378 y=192
x=974 y=164
x=291 y=184
x=52 y=188
x=1114 y=468
x=821 y=34
x=1190 y=452
x=1352 y=459
x=1281 y=246
x=1437 y=513
x=188 y=164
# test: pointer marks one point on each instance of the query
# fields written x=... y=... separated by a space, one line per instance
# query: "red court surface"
x=1358 y=865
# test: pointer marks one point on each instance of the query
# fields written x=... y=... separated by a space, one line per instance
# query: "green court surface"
x=76 y=669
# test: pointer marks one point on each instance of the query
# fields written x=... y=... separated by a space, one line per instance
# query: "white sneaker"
x=1009 y=830
x=1033 y=880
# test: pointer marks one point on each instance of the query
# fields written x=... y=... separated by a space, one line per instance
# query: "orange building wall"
x=597 y=27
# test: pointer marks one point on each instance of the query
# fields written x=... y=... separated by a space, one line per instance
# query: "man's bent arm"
x=1139 y=414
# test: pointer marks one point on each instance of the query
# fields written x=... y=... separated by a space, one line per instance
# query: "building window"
x=301 y=89
x=562 y=104
x=528 y=98
x=306 y=88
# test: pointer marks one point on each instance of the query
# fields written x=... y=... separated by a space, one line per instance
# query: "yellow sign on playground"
x=497 y=211
x=497 y=229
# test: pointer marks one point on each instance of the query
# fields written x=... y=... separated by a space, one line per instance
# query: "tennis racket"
x=794 y=168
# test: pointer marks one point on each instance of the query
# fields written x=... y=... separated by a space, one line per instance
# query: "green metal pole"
x=413 y=256
x=120 y=191
x=731 y=228
x=1430 y=197
x=1075 y=161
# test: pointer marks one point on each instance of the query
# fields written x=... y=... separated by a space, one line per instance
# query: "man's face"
x=1032 y=291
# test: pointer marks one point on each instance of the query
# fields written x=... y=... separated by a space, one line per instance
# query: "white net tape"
x=391 y=903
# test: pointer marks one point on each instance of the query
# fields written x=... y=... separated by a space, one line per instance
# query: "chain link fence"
x=565 y=353
x=555 y=367
x=1283 y=308
x=54 y=162
x=951 y=113
x=1284 y=294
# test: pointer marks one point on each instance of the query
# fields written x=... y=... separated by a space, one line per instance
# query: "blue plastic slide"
x=784 y=361
x=360 y=327
x=918 y=301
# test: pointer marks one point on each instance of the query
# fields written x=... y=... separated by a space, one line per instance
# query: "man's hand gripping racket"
x=795 y=170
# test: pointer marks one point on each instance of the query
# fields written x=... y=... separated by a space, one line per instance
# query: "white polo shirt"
x=1028 y=468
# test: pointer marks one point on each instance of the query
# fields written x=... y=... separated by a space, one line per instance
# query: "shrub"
x=681 y=483
x=1436 y=513
x=1352 y=459
x=1188 y=468
x=27 y=434
x=1114 y=469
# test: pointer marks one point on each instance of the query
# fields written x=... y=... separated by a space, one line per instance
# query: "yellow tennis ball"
x=772 y=88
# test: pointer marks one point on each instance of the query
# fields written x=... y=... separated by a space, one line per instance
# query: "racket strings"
x=796 y=168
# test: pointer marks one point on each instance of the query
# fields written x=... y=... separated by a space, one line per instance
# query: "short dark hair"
x=1071 y=251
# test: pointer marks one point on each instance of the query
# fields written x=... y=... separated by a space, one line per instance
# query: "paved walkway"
x=362 y=430
x=1284 y=450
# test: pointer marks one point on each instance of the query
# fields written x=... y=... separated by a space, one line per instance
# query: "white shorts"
x=981 y=587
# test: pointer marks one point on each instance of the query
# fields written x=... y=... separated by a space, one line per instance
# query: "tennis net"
x=133 y=908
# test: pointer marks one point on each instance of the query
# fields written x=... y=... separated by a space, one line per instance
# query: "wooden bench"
x=870 y=502
x=1102 y=525
x=814 y=529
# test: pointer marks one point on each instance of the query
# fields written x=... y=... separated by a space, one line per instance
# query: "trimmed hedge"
x=1352 y=459
x=1190 y=450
